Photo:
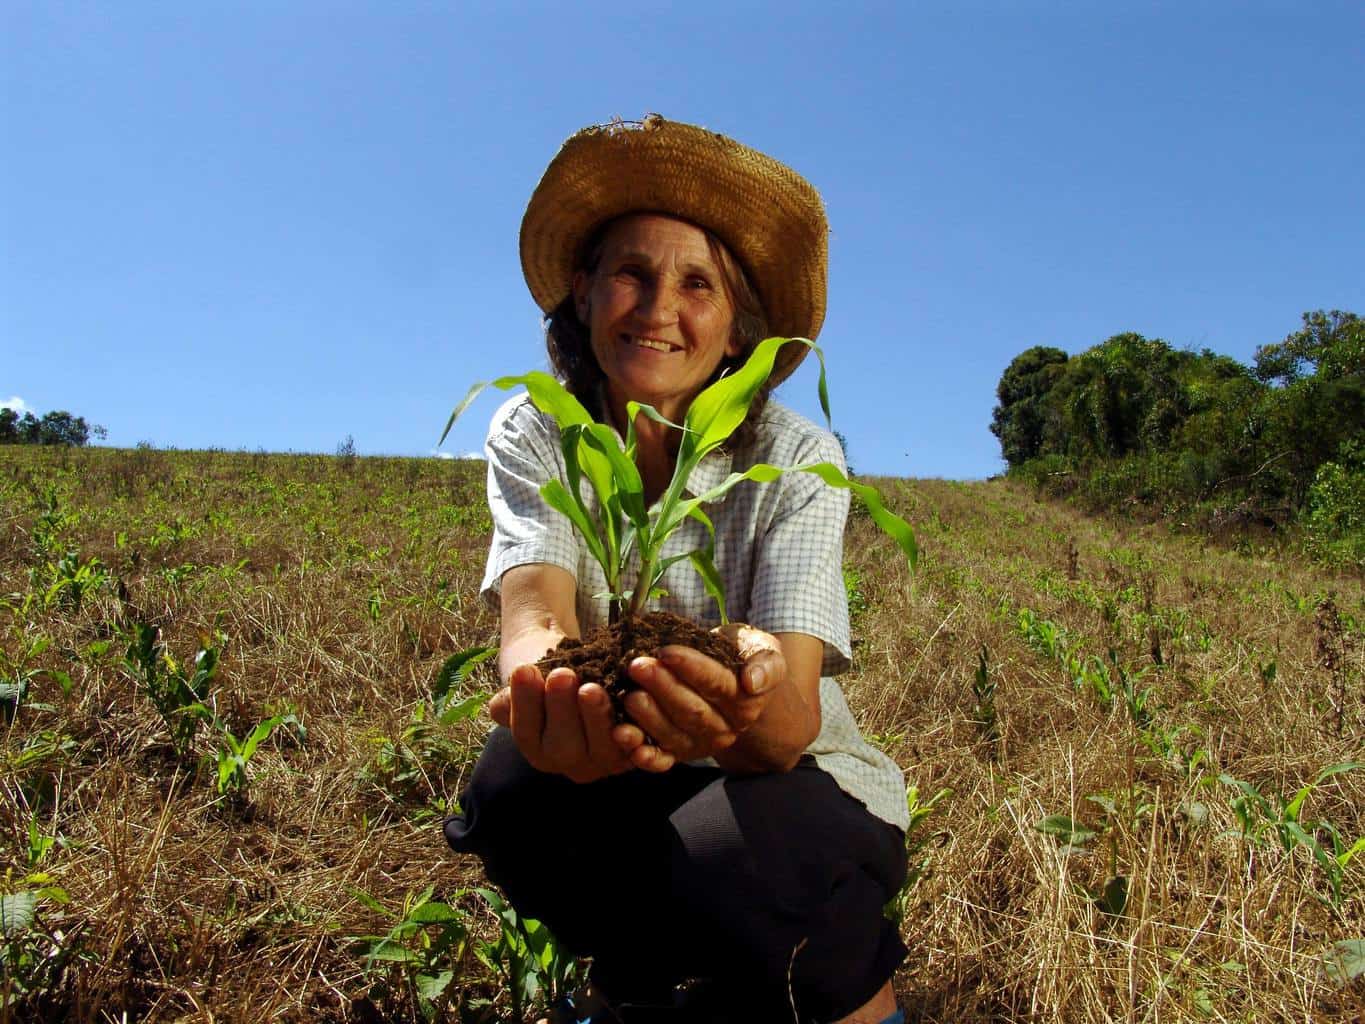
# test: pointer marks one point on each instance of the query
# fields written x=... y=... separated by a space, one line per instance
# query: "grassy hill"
x=1106 y=729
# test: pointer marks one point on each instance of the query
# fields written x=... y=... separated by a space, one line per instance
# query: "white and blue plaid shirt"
x=779 y=550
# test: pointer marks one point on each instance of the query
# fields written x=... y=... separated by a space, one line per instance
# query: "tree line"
x=53 y=428
x=1133 y=420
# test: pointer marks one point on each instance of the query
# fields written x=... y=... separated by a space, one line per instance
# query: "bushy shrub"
x=1335 y=524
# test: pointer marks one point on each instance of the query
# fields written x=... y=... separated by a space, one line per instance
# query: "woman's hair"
x=570 y=349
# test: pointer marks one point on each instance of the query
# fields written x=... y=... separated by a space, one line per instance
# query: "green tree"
x=1329 y=346
x=55 y=428
x=1020 y=417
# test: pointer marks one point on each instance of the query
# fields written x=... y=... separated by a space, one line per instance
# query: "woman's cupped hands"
x=688 y=706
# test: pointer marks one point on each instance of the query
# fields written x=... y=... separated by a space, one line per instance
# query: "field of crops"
x=232 y=723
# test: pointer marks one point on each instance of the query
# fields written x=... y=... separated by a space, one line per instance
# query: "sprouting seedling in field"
x=622 y=525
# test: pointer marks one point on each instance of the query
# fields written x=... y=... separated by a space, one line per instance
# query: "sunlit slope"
x=1152 y=702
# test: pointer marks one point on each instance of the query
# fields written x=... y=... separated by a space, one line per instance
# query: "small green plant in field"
x=69 y=580
x=424 y=946
x=622 y=526
x=32 y=958
x=535 y=969
x=1043 y=635
x=403 y=764
x=1122 y=809
x=1138 y=703
x=18 y=674
x=917 y=843
x=179 y=692
x=232 y=755
x=51 y=523
x=983 y=689
x=1260 y=816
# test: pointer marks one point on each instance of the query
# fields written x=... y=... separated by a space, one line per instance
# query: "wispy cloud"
x=451 y=455
x=17 y=404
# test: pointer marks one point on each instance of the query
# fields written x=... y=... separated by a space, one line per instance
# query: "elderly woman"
x=725 y=852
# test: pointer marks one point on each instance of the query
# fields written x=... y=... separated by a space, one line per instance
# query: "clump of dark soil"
x=604 y=654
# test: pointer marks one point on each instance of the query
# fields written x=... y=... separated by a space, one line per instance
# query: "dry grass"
x=343 y=585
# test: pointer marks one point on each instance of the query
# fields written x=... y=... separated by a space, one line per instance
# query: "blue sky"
x=273 y=225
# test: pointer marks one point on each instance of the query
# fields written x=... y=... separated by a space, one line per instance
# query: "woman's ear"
x=581 y=285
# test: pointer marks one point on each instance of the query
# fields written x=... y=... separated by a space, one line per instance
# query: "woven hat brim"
x=769 y=217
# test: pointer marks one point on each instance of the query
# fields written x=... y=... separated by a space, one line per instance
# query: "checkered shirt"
x=779 y=550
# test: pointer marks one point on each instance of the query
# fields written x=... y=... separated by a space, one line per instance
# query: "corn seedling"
x=983 y=689
x=403 y=764
x=917 y=844
x=1259 y=816
x=620 y=525
x=69 y=580
x=178 y=692
x=232 y=754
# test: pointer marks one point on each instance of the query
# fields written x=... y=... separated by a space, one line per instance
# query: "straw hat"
x=769 y=217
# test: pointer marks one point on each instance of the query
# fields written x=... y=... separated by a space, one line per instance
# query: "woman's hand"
x=692 y=706
x=563 y=726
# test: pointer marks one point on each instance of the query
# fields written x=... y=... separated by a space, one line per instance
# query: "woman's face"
x=657 y=311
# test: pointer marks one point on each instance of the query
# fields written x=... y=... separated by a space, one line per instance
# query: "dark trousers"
x=772 y=885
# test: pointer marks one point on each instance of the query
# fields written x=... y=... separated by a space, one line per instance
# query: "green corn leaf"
x=557 y=496
x=629 y=488
x=633 y=411
x=719 y=409
x=228 y=768
x=1345 y=856
x=891 y=524
x=370 y=902
x=547 y=394
x=703 y=562
x=1337 y=769
x=582 y=459
x=259 y=734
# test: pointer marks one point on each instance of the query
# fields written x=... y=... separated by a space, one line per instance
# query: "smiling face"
x=658 y=313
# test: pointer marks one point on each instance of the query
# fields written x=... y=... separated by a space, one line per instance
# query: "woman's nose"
x=658 y=306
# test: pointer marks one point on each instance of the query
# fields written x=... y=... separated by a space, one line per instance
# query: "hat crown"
x=768 y=216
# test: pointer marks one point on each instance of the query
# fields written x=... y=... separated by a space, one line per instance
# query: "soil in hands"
x=604 y=655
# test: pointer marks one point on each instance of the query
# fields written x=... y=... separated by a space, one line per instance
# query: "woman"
x=726 y=851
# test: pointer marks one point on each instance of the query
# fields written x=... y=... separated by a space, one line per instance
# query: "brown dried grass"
x=183 y=908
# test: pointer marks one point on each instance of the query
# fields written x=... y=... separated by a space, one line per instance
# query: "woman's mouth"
x=653 y=344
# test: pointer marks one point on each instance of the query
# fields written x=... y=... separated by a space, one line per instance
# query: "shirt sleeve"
x=798 y=577
x=523 y=453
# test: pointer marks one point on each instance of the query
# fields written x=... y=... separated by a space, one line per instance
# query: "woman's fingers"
x=527 y=710
x=764 y=663
x=598 y=724
x=563 y=743
x=500 y=706
x=677 y=713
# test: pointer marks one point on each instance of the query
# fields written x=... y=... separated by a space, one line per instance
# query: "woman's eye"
x=698 y=283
